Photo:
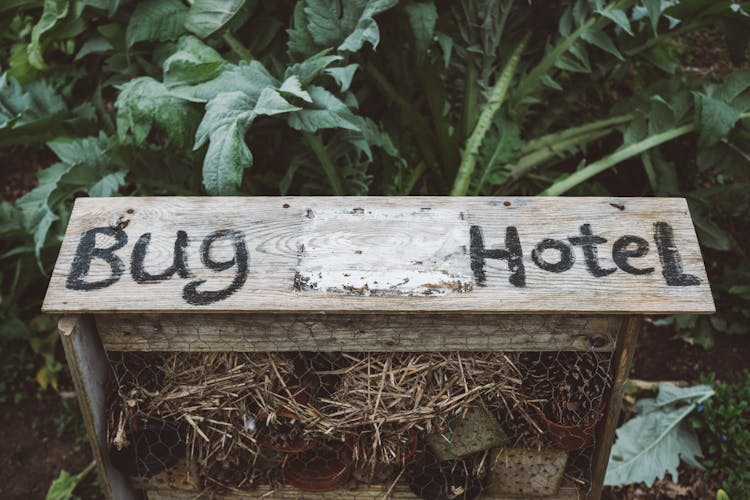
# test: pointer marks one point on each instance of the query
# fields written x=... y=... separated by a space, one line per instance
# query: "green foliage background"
x=370 y=97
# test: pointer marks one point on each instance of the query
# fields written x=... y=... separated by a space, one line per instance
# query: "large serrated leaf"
x=37 y=215
x=249 y=78
x=144 y=102
x=192 y=63
x=715 y=119
x=156 y=20
x=326 y=111
x=206 y=17
x=652 y=444
x=344 y=25
x=227 y=118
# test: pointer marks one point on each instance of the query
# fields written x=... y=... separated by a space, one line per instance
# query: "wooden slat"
x=623 y=359
x=344 y=255
x=401 y=491
x=365 y=332
x=91 y=376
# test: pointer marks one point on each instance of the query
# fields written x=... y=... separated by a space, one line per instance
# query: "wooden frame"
x=444 y=274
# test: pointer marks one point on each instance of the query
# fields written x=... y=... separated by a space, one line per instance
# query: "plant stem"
x=499 y=92
x=318 y=148
x=416 y=174
x=471 y=99
x=533 y=159
x=554 y=139
x=613 y=159
x=648 y=166
x=237 y=47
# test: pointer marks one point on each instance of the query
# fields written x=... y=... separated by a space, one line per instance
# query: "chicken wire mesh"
x=433 y=425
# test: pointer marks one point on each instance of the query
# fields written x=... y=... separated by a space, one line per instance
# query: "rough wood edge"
x=623 y=358
x=373 y=332
x=90 y=371
x=401 y=491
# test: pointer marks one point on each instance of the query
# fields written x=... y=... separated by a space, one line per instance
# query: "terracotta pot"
x=297 y=446
x=570 y=437
x=319 y=470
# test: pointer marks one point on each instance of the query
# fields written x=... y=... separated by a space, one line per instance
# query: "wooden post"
x=91 y=374
x=621 y=362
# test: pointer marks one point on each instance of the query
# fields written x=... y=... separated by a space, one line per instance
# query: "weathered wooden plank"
x=623 y=357
x=401 y=491
x=504 y=255
x=91 y=374
x=364 y=332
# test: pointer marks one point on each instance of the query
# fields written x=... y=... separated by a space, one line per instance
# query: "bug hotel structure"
x=302 y=347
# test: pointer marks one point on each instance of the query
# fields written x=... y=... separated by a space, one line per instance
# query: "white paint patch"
x=385 y=251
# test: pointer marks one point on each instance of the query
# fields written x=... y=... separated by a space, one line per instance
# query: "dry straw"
x=242 y=411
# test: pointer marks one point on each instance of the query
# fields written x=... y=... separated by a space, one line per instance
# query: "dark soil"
x=33 y=452
x=660 y=356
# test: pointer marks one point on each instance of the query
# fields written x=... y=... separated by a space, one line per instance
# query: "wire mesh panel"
x=432 y=424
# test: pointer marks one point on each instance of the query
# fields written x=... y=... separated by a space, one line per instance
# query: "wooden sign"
x=348 y=255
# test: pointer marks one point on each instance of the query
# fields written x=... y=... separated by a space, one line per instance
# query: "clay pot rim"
x=298 y=446
x=559 y=425
x=318 y=484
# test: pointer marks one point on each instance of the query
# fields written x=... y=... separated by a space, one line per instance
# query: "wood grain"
x=91 y=372
x=365 y=332
x=349 y=255
x=400 y=492
x=623 y=359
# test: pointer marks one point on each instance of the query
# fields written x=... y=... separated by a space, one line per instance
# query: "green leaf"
x=741 y=290
x=652 y=444
x=156 y=21
x=28 y=113
x=422 y=18
x=108 y=185
x=307 y=70
x=144 y=102
x=206 y=17
x=734 y=85
x=346 y=26
x=292 y=87
x=446 y=45
x=270 y=102
x=193 y=62
x=709 y=234
x=227 y=118
x=94 y=45
x=603 y=41
x=343 y=76
x=37 y=216
x=57 y=16
x=619 y=17
x=328 y=112
x=654 y=9
x=715 y=119
x=249 y=78
x=62 y=488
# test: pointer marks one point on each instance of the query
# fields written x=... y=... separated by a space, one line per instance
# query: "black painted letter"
x=179 y=262
x=87 y=251
x=621 y=254
x=512 y=253
x=567 y=257
x=191 y=294
x=671 y=262
x=588 y=242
